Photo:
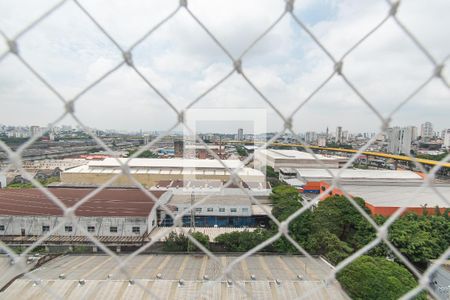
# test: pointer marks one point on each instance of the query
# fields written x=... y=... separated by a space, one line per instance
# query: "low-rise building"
x=116 y=214
x=295 y=159
x=384 y=191
x=385 y=200
x=360 y=176
x=149 y=171
x=228 y=208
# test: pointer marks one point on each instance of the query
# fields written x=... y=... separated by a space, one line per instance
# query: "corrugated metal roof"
x=360 y=174
x=170 y=289
x=108 y=202
x=400 y=196
x=97 y=284
x=293 y=154
x=180 y=170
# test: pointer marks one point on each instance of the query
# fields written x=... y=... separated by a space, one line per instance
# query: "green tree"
x=241 y=241
x=420 y=238
x=376 y=278
x=175 y=242
x=181 y=243
x=272 y=177
x=286 y=201
x=241 y=151
x=337 y=215
x=270 y=172
x=201 y=238
x=328 y=244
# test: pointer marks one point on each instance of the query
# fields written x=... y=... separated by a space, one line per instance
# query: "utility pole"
x=192 y=211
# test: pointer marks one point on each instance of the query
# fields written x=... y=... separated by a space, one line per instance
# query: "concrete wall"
x=239 y=210
x=166 y=199
x=32 y=225
x=305 y=163
x=145 y=179
x=387 y=211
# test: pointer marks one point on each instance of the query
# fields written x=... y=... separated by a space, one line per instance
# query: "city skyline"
x=233 y=129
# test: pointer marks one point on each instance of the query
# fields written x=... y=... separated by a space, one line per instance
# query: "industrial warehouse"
x=119 y=216
x=359 y=176
x=116 y=216
x=227 y=208
x=150 y=171
x=179 y=277
x=384 y=191
x=295 y=159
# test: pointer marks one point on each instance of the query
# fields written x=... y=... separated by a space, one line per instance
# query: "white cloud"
x=182 y=61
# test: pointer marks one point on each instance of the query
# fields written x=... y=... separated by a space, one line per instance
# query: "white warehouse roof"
x=168 y=171
x=167 y=163
x=359 y=175
x=400 y=196
x=293 y=154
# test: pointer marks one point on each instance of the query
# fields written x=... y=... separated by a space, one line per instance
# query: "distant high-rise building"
x=338 y=134
x=344 y=136
x=399 y=140
x=35 y=130
x=178 y=146
x=322 y=141
x=414 y=133
x=447 y=138
x=147 y=139
x=426 y=130
x=240 y=134
x=310 y=137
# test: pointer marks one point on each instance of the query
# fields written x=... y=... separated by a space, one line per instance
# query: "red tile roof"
x=108 y=202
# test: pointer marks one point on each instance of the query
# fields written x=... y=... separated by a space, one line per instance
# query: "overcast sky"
x=182 y=62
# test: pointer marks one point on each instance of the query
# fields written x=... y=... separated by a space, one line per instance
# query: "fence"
x=236 y=67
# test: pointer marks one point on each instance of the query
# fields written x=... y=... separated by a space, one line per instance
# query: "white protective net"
x=392 y=8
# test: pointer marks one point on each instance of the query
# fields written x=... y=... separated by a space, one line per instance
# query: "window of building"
x=233 y=209
x=45 y=228
x=2 y=227
x=113 y=229
x=136 y=229
x=68 y=228
x=198 y=209
x=153 y=222
x=176 y=209
x=91 y=228
x=210 y=209
x=221 y=209
x=245 y=209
